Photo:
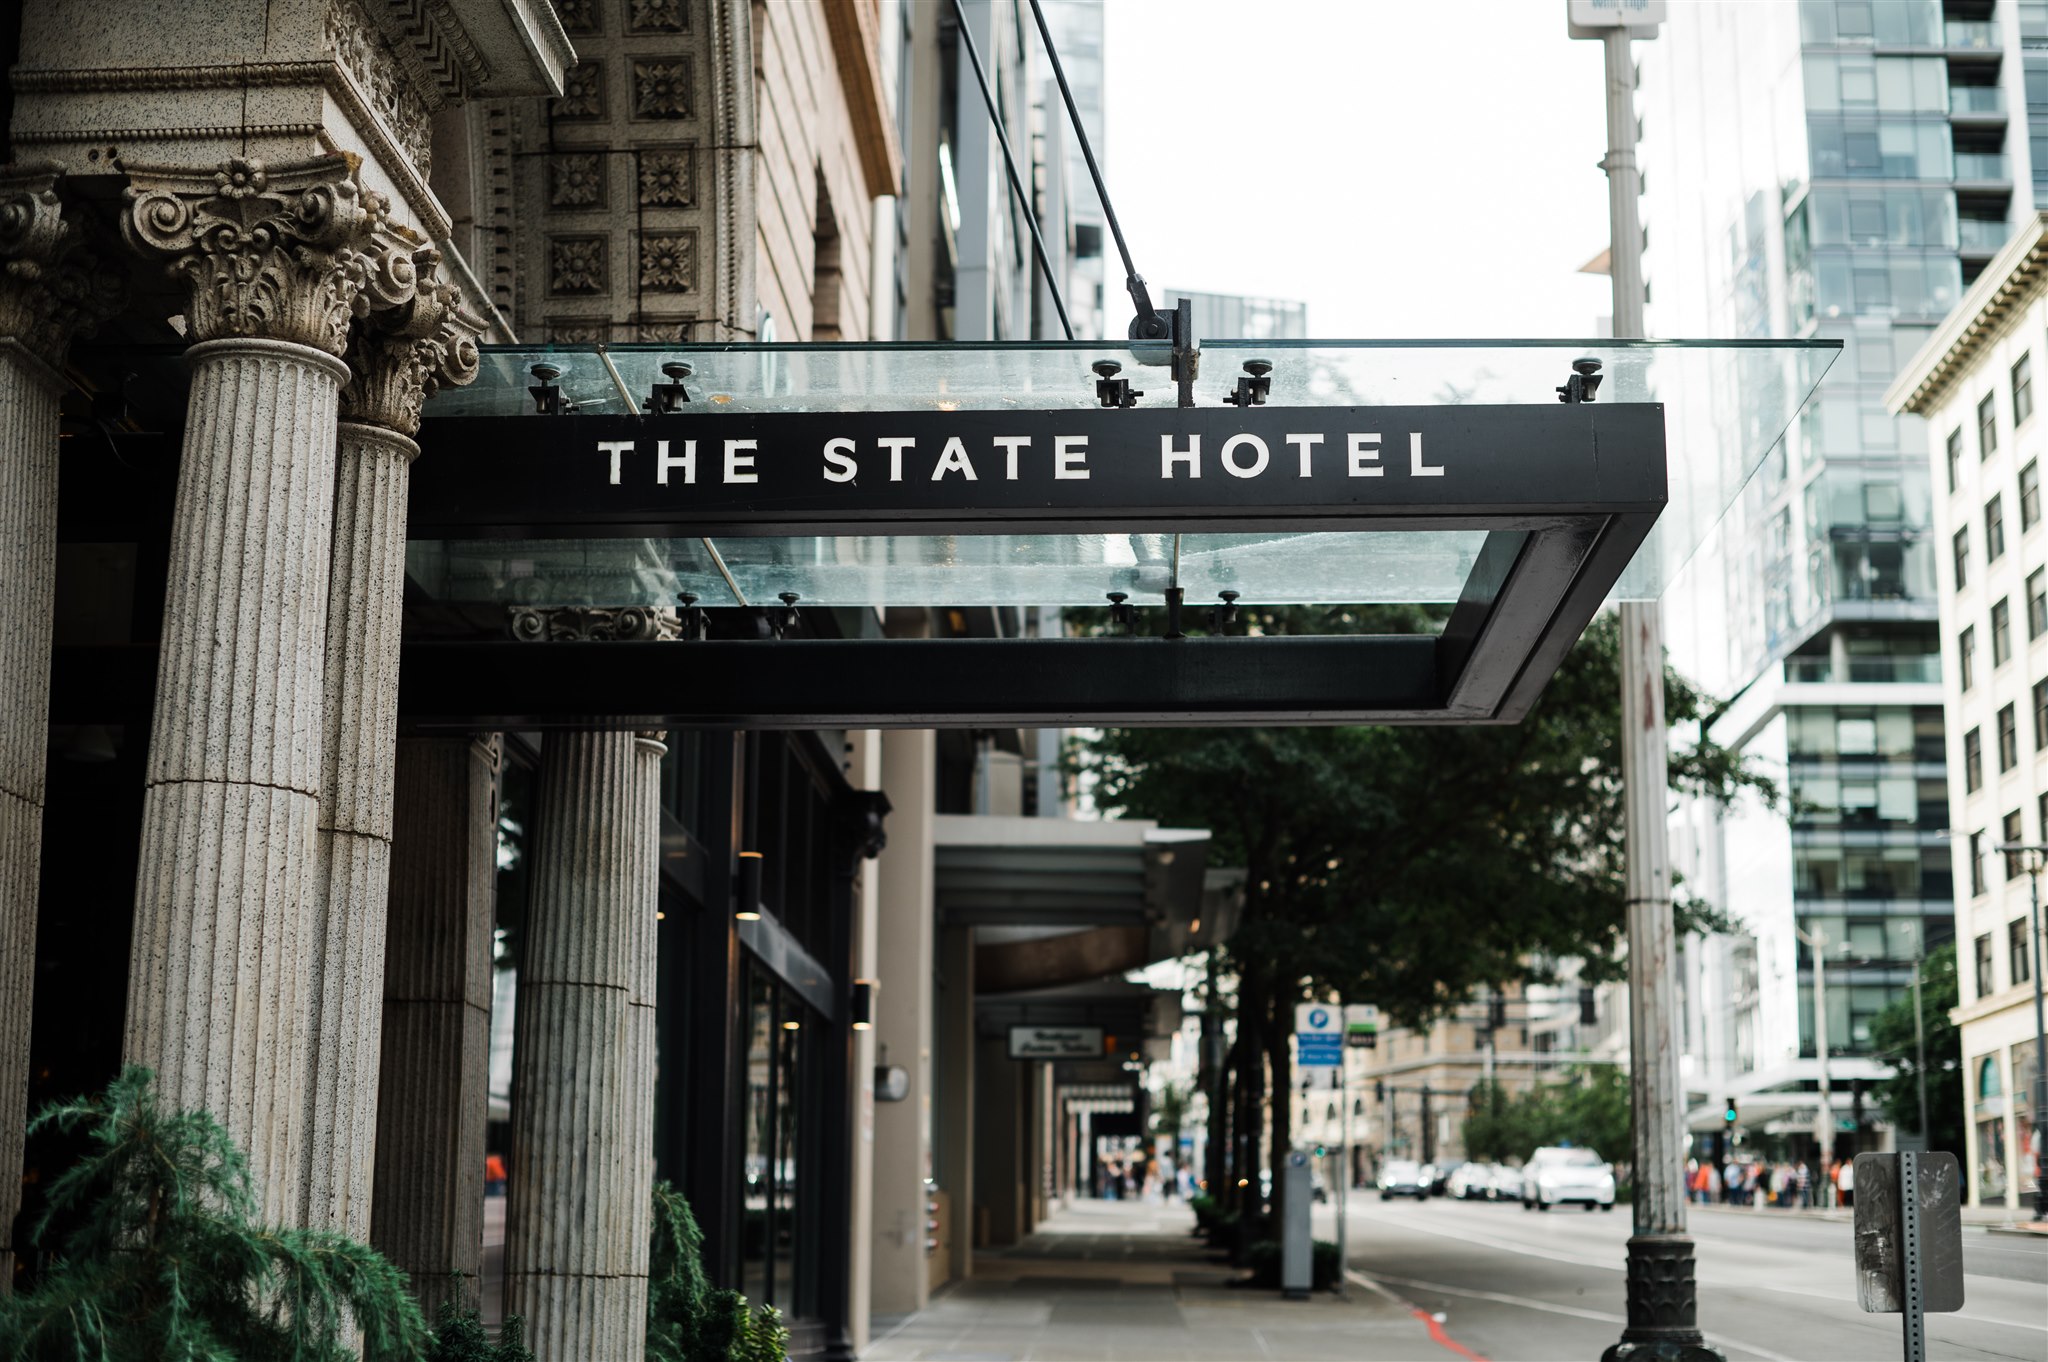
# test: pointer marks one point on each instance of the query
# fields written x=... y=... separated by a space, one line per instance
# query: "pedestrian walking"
x=1802 y=1184
x=1845 y=1182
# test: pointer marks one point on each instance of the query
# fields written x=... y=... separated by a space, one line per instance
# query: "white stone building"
x=1973 y=382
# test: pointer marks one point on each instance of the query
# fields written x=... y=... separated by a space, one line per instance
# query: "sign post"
x=1909 y=1240
x=1319 y=1036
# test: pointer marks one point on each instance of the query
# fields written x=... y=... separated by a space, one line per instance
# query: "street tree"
x=1408 y=866
x=1891 y=1036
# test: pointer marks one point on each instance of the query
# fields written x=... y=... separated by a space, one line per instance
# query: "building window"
x=2022 y=391
x=1962 y=547
x=2013 y=833
x=2030 y=495
x=2037 y=604
x=1955 y=457
x=1977 y=885
x=2017 y=965
x=1987 y=427
x=1966 y=657
x=1986 y=986
x=2041 y=717
x=1973 y=761
x=2008 y=740
x=1994 y=529
x=2001 y=633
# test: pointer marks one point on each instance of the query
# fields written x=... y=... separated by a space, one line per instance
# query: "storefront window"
x=2026 y=1063
x=779 y=1239
x=759 y=1139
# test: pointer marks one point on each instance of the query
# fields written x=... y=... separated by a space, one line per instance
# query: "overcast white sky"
x=1405 y=167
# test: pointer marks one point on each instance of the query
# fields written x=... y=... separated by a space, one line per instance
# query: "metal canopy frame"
x=1566 y=493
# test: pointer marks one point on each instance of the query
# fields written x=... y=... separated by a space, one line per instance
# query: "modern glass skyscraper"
x=1835 y=168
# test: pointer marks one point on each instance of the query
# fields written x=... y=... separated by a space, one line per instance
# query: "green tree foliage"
x=166 y=1259
x=1891 y=1035
x=1590 y=1108
x=689 y=1319
x=459 y=1337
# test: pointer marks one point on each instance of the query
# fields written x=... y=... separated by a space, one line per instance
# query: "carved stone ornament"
x=592 y=624
x=402 y=353
x=278 y=252
x=51 y=288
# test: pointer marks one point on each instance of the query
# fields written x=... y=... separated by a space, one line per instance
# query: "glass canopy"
x=1727 y=403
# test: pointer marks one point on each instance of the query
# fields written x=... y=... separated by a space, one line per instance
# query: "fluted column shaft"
x=433 y=1081
x=365 y=593
x=217 y=988
x=583 y=1112
x=28 y=571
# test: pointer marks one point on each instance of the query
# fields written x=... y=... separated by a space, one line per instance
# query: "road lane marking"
x=1428 y=1320
x=1526 y=1303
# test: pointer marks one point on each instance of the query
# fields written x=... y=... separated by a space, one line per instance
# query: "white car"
x=1557 y=1175
x=1471 y=1182
x=1401 y=1177
x=1507 y=1183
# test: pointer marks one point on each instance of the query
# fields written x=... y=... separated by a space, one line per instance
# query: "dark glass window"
x=2008 y=740
x=2037 y=604
x=1994 y=529
x=2012 y=834
x=1966 y=657
x=1987 y=427
x=1986 y=986
x=2022 y=391
x=780 y=1229
x=2016 y=963
x=2041 y=716
x=1973 y=761
x=1961 y=545
x=758 y=1140
x=2001 y=633
x=2030 y=495
x=1955 y=457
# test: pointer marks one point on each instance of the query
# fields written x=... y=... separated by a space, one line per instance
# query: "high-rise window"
x=2012 y=834
x=1986 y=986
x=2022 y=391
x=2037 y=604
x=2041 y=717
x=1987 y=427
x=2008 y=740
x=1994 y=529
x=1973 y=761
x=1966 y=657
x=2001 y=633
x=1962 y=550
x=1955 y=457
x=1977 y=877
x=2030 y=495
x=2017 y=965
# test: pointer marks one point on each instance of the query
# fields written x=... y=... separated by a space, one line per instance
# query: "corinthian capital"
x=414 y=340
x=51 y=288
x=278 y=252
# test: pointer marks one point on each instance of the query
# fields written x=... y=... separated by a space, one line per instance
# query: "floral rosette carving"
x=412 y=339
x=51 y=288
x=278 y=252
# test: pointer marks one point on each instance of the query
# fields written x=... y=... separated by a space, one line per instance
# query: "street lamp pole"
x=1663 y=1303
x=1824 y=1117
x=2035 y=854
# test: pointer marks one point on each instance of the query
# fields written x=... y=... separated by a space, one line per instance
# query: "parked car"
x=1440 y=1175
x=1472 y=1182
x=1507 y=1183
x=1556 y=1175
x=1402 y=1178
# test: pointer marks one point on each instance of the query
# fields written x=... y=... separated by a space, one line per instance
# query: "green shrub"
x=1263 y=1258
x=688 y=1319
x=166 y=1259
x=459 y=1337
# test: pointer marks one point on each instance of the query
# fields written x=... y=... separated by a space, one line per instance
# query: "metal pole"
x=1663 y=1308
x=1913 y=1319
x=1343 y=1165
x=1920 y=1035
x=1824 y=1116
x=2040 y=1049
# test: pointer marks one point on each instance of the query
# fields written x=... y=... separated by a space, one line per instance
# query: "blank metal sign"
x=1880 y=1238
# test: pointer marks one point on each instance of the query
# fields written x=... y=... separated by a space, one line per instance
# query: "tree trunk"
x=1216 y=1158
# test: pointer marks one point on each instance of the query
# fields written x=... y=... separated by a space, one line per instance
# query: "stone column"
x=900 y=1269
x=48 y=291
x=432 y=1083
x=577 y=1227
x=413 y=340
x=217 y=993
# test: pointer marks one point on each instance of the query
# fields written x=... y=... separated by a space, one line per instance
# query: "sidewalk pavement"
x=1126 y=1281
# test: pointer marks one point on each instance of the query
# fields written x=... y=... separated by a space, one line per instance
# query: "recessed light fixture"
x=744 y=916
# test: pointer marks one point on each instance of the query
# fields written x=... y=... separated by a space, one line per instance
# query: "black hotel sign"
x=1167 y=468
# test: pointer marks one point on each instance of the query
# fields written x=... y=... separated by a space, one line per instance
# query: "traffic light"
x=1728 y=1111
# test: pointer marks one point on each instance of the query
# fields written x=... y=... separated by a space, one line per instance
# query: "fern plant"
x=166 y=1259
x=688 y=1319
x=459 y=1337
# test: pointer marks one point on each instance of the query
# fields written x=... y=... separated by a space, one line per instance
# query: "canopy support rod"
x=1148 y=324
x=995 y=121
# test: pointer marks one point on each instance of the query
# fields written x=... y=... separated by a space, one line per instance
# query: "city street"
x=1516 y=1287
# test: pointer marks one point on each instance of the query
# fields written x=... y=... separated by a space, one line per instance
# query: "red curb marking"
x=1437 y=1334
